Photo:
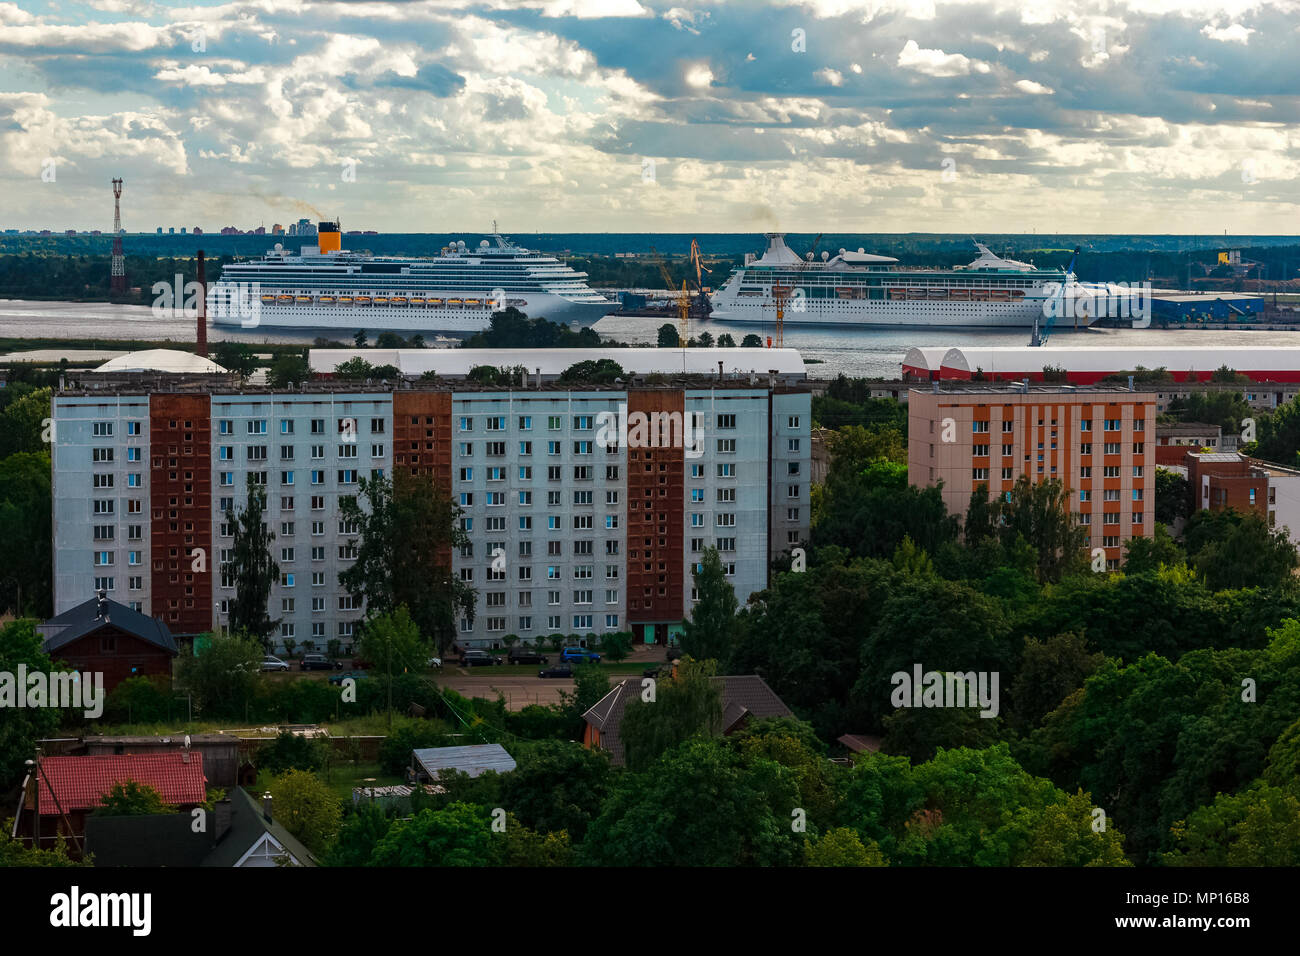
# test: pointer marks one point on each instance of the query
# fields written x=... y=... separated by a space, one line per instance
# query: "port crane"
x=782 y=294
x=682 y=298
x=1039 y=337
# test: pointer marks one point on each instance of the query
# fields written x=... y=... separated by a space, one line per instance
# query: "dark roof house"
x=744 y=696
x=241 y=832
x=101 y=635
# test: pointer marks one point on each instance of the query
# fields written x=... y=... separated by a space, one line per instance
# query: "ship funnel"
x=329 y=237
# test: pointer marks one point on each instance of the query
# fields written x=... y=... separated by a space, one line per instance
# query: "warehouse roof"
x=160 y=360
x=1019 y=360
x=452 y=363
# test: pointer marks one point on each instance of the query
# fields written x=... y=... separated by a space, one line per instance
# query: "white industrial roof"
x=160 y=360
x=453 y=363
x=1200 y=358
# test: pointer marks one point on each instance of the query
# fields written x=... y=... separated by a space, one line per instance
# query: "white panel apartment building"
x=588 y=538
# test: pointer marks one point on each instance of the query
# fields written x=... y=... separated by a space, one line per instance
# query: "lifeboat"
x=961 y=295
x=381 y=300
x=303 y=298
x=916 y=293
x=268 y=298
x=345 y=300
x=898 y=293
x=1017 y=293
x=397 y=300
x=470 y=302
x=284 y=298
x=362 y=300
x=326 y=300
x=999 y=295
x=417 y=301
x=937 y=293
x=979 y=296
x=455 y=302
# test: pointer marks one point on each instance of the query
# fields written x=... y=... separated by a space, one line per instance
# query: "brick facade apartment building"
x=1100 y=442
x=597 y=539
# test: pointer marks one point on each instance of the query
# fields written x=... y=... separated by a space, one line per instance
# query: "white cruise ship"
x=859 y=289
x=326 y=287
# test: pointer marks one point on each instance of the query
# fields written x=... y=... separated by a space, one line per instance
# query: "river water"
x=853 y=352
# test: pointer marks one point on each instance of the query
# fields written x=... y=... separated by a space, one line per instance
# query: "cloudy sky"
x=1156 y=116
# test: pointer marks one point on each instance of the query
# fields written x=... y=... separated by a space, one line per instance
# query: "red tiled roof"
x=80 y=782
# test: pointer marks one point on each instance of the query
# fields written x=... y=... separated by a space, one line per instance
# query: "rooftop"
x=79 y=783
x=473 y=760
x=89 y=616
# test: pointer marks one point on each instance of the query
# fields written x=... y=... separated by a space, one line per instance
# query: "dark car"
x=527 y=655
x=478 y=659
x=319 y=662
x=340 y=678
x=579 y=654
x=557 y=670
x=654 y=671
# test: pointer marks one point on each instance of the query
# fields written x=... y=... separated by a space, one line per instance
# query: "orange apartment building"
x=1099 y=441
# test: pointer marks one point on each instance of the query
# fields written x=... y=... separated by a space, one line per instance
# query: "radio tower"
x=117 y=282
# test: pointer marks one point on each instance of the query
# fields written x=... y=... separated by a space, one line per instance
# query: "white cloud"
x=1036 y=89
x=1235 y=33
x=829 y=77
x=936 y=62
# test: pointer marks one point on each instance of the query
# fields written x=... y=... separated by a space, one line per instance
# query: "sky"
x=1112 y=116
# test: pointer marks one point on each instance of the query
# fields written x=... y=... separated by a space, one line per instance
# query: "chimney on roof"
x=1024 y=384
x=101 y=608
x=771 y=378
x=719 y=370
x=266 y=805
x=753 y=377
x=1130 y=383
x=539 y=377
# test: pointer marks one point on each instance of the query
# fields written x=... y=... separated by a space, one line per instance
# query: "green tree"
x=307 y=808
x=1050 y=671
x=707 y=634
x=1151 y=554
x=235 y=357
x=23 y=424
x=21 y=727
x=601 y=371
x=686 y=705
x=406 y=532
x=458 y=835
x=750 y=341
x=225 y=677
x=1258 y=827
x=668 y=338
x=1039 y=512
x=700 y=804
x=725 y=341
x=617 y=645
x=558 y=785
x=253 y=568
x=288 y=370
x=1251 y=554
x=1172 y=501
x=842 y=847
x=15 y=853
x=359 y=340
x=129 y=798
x=393 y=643
x=358 y=836
x=354 y=369
x=26 y=526
x=290 y=751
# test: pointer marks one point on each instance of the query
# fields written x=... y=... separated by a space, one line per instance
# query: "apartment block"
x=1099 y=442
x=586 y=509
x=1220 y=480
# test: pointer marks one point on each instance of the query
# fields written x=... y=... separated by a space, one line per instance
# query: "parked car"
x=478 y=659
x=557 y=670
x=579 y=654
x=527 y=655
x=340 y=678
x=270 y=663
x=319 y=662
x=435 y=663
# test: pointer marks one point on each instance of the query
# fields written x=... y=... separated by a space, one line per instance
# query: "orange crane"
x=682 y=298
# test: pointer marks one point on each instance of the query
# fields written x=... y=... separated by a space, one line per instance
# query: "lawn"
x=342 y=778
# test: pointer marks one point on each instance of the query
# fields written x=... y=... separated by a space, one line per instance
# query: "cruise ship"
x=326 y=287
x=860 y=289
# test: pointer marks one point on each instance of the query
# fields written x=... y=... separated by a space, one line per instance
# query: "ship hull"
x=867 y=313
x=403 y=318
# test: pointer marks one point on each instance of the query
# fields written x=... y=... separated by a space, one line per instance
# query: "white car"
x=435 y=663
x=270 y=663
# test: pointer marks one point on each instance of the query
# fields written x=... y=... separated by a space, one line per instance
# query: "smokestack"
x=539 y=377
x=266 y=805
x=202 y=336
x=719 y=370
